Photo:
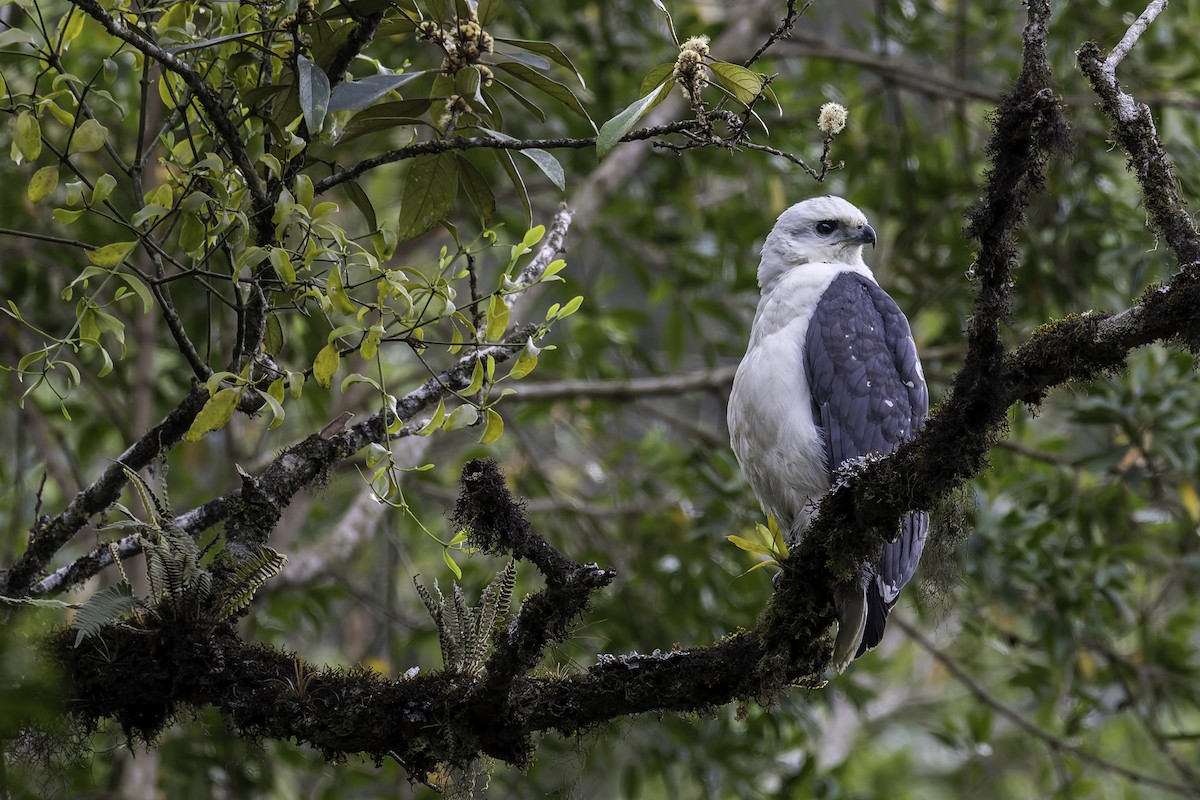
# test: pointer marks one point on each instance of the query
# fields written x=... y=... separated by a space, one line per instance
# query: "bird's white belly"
x=771 y=428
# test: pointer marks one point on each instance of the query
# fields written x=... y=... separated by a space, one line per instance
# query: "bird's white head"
x=823 y=229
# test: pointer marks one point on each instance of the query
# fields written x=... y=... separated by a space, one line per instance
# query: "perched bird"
x=831 y=373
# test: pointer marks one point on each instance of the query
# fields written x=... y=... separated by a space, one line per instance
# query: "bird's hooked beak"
x=865 y=235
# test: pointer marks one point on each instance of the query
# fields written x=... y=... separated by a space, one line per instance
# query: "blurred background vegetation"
x=1069 y=611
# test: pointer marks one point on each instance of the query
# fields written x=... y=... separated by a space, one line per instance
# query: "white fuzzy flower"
x=832 y=119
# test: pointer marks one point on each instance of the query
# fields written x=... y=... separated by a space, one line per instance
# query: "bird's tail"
x=851 y=608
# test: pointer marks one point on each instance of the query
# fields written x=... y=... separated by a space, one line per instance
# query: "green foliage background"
x=1071 y=603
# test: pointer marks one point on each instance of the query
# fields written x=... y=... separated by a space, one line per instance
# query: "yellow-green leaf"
x=104 y=187
x=326 y=364
x=435 y=422
x=450 y=563
x=42 y=184
x=493 y=429
x=749 y=546
x=214 y=415
x=282 y=264
x=89 y=137
x=28 y=136
x=525 y=364
x=461 y=417
x=476 y=378
x=497 y=318
x=337 y=293
x=1190 y=500
x=110 y=255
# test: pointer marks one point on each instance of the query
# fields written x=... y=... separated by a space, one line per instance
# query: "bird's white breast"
x=771 y=427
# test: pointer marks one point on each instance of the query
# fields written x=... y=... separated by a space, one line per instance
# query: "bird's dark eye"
x=826 y=227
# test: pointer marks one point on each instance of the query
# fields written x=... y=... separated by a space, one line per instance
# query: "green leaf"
x=493 y=429
x=314 y=93
x=429 y=191
x=273 y=335
x=277 y=412
x=214 y=415
x=110 y=255
x=479 y=192
x=558 y=91
x=140 y=289
x=66 y=216
x=42 y=184
x=741 y=82
x=103 y=188
x=506 y=161
x=353 y=95
x=524 y=365
x=28 y=136
x=435 y=422
x=461 y=417
x=450 y=563
x=749 y=546
x=337 y=293
x=362 y=201
x=281 y=262
x=497 y=318
x=488 y=10
x=547 y=164
x=546 y=49
x=89 y=137
x=326 y=364
x=387 y=117
x=612 y=131
x=655 y=78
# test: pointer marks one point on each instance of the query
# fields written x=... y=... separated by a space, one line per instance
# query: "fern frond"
x=103 y=608
x=248 y=578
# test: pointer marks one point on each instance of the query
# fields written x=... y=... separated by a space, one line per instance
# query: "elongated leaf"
x=353 y=95
x=528 y=59
x=362 y=202
x=488 y=10
x=28 y=136
x=547 y=164
x=493 y=429
x=216 y=41
x=612 y=131
x=529 y=105
x=429 y=191
x=546 y=49
x=514 y=175
x=655 y=77
x=741 y=82
x=477 y=188
x=558 y=91
x=314 y=93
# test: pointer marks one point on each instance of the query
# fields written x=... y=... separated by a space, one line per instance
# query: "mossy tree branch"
x=449 y=718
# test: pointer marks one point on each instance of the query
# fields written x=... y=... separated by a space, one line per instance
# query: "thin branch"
x=784 y=31
x=49 y=535
x=1028 y=725
x=214 y=108
x=475 y=142
x=631 y=389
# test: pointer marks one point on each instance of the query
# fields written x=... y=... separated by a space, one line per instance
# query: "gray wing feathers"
x=869 y=395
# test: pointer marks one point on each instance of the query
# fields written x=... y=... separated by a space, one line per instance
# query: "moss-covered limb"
x=1133 y=129
x=496 y=524
x=144 y=678
x=49 y=535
